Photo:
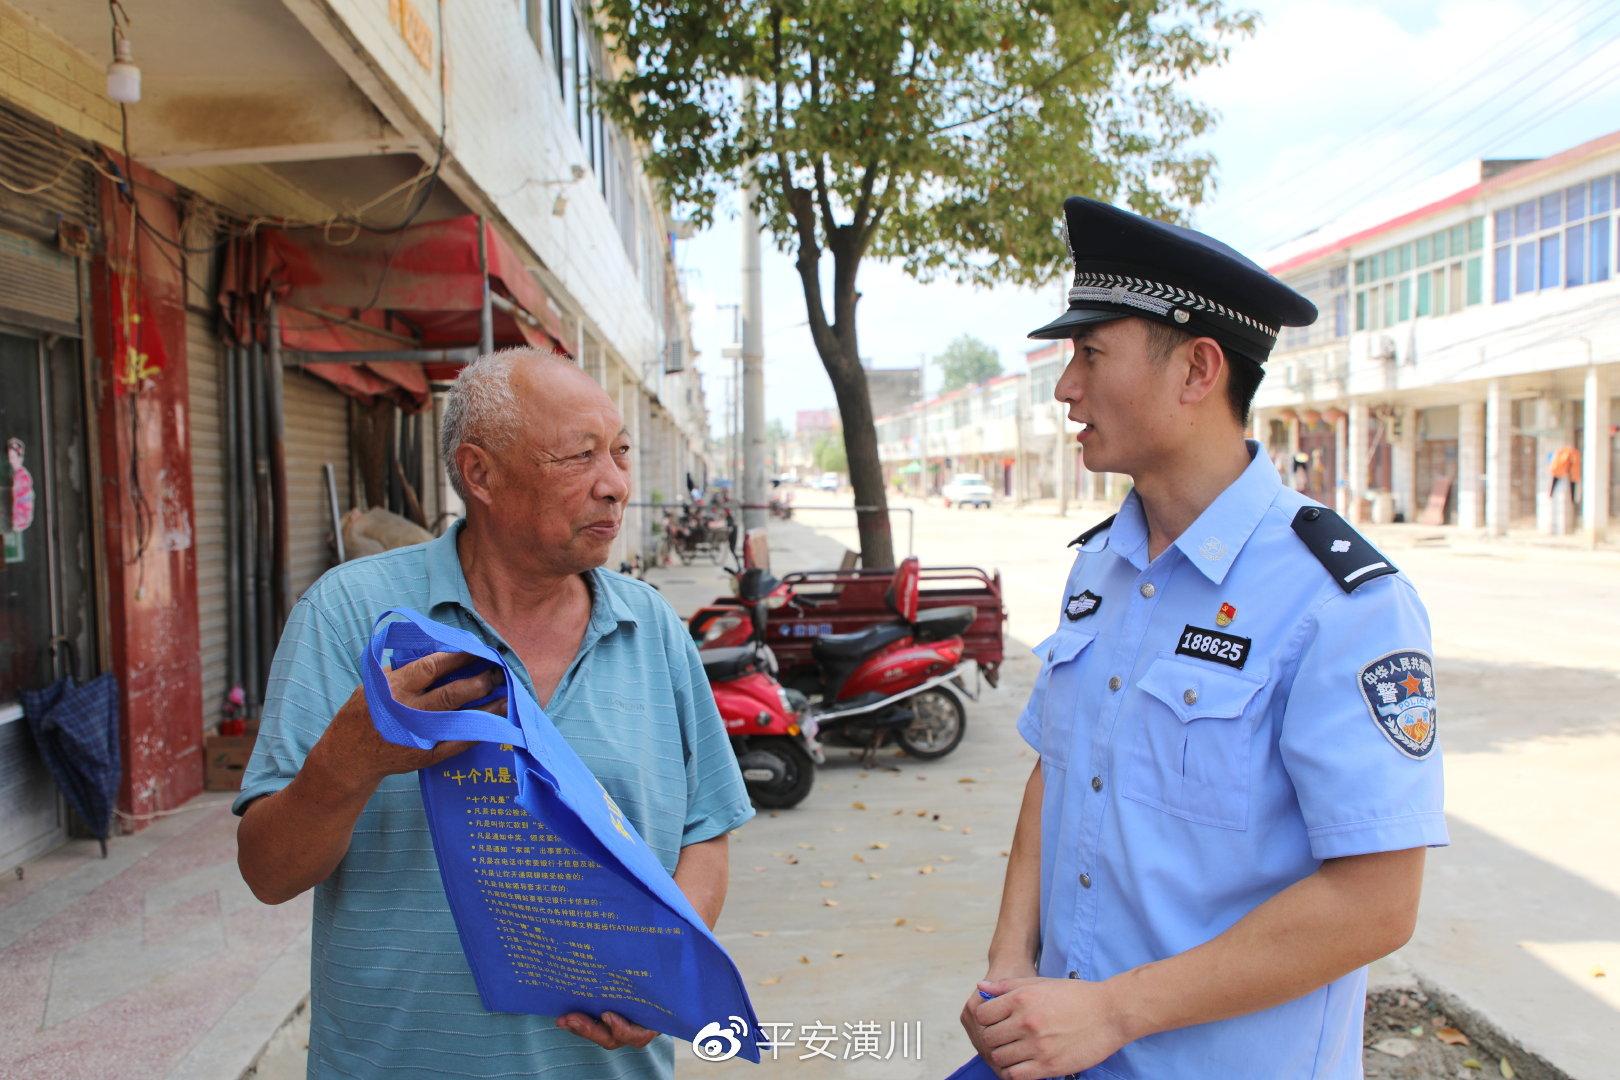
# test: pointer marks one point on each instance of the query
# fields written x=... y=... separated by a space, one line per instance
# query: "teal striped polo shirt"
x=390 y=991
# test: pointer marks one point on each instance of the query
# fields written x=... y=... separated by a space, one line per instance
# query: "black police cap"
x=1128 y=265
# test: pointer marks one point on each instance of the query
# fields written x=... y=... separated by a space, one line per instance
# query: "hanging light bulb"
x=123 y=77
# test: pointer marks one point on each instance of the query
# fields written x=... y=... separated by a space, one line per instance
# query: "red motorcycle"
x=893 y=680
x=772 y=735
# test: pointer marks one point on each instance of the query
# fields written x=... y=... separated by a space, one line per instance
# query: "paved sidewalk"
x=154 y=962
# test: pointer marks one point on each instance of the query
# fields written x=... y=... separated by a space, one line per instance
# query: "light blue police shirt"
x=1194 y=770
x=391 y=993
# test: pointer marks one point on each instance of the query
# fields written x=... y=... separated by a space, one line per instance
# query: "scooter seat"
x=937 y=624
x=722 y=664
x=860 y=643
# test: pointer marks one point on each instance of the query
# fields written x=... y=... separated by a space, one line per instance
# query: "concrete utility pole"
x=753 y=365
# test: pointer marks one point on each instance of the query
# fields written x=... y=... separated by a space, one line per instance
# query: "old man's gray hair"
x=480 y=407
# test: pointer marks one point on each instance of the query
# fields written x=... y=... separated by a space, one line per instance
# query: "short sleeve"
x=312 y=675
x=1029 y=721
x=716 y=798
x=1359 y=735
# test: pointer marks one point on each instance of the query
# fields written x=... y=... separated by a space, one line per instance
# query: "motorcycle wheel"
x=938 y=725
x=798 y=773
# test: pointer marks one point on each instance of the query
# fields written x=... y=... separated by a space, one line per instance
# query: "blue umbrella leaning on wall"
x=75 y=727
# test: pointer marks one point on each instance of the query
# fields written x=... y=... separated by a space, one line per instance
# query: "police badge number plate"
x=1399 y=691
x=1082 y=604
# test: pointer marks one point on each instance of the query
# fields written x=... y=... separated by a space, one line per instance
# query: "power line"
x=1362 y=188
x=1441 y=92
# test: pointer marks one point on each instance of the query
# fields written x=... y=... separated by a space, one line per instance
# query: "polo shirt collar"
x=448 y=585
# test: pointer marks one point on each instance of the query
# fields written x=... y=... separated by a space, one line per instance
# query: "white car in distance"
x=967 y=489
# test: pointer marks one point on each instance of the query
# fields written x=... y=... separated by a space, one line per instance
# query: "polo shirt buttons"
x=1085 y=881
x=1147 y=590
x=1190 y=696
x=1074 y=974
x=1114 y=683
x=1096 y=783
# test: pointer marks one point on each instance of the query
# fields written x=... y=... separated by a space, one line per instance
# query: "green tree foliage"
x=828 y=454
x=967 y=361
x=941 y=133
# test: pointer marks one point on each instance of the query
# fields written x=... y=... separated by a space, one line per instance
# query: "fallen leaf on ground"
x=967 y=830
x=857 y=805
x=828 y=884
x=762 y=933
x=792 y=860
x=804 y=959
x=1395 y=1046
x=1005 y=854
x=807 y=847
x=936 y=817
x=829 y=902
x=922 y=776
x=897 y=813
x=772 y=981
x=1599 y=973
x=838 y=954
x=1418 y=1031
x=922 y=813
x=947 y=858
x=1472 y=1063
x=774 y=813
x=873 y=876
x=1451 y=1037
x=925 y=929
x=925 y=869
x=879 y=845
x=966 y=780
x=944 y=828
x=858 y=857
x=901 y=921
x=1506 y=1069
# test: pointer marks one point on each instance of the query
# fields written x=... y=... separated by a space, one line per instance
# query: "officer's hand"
x=970 y=1022
x=612 y=1032
x=351 y=749
x=1037 y=1028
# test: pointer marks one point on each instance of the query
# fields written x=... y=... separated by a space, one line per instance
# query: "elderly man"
x=540 y=457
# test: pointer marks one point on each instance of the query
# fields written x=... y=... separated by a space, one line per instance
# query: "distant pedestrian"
x=1239 y=770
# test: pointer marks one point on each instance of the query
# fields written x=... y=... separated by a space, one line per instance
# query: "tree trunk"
x=865 y=470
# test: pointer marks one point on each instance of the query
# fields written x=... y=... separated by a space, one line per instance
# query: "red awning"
x=420 y=288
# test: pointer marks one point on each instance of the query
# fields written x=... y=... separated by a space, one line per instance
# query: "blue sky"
x=1334 y=107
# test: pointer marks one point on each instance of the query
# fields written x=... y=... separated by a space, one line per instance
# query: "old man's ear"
x=477 y=465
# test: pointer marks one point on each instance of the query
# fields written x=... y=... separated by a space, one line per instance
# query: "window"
x=1560 y=239
x=1329 y=290
x=1436 y=274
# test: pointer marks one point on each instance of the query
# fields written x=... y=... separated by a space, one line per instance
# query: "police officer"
x=1235 y=717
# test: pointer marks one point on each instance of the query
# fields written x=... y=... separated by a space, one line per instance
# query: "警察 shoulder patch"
x=1399 y=690
x=1344 y=553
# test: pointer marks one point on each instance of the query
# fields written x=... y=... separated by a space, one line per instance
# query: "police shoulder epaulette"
x=1080 y=540
x=1345 y=553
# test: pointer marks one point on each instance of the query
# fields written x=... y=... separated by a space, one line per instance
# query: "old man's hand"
x=612 y=1032
x=352 y=749
x=1036 y=1028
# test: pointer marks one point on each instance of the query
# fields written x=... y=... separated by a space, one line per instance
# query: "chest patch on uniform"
x=1202 y=644
x=1081 y=604
x=1399 y=691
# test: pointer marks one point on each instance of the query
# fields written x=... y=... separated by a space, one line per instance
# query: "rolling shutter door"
x=205 y=382
x=317 y=432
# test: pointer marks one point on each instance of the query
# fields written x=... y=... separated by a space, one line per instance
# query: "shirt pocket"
x=1190 y=753
x=1057 y=692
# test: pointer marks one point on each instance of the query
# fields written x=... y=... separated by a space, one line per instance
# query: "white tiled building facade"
x=1465 y=350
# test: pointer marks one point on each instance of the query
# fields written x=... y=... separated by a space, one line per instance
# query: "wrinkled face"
x=1128 y=402
x=563 y=482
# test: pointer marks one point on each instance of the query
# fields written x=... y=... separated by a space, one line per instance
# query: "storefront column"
x=1498 y=459
x=1341 y=490
x=1355 y=459
x=1595 y=459
x=1403 y=464
x=1470 y=464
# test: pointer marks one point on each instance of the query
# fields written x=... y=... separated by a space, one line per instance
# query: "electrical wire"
x=1441 y=92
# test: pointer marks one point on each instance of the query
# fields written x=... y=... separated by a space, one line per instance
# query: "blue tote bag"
x=561 y=905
